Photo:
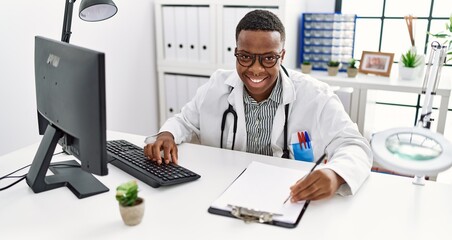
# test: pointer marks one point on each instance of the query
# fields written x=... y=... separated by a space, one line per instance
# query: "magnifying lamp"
x=90 y=10
x=417 y=151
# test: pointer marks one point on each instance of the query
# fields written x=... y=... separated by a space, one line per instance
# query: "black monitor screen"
x=70 y=97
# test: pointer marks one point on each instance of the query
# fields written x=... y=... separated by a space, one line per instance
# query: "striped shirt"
x=259 y=120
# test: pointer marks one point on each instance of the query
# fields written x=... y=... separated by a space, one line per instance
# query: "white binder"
x=204 y=34
x=170 y=94
x=180 y=14
x=229 y=25
x=181 y=91
x=193 y=33
x=169 y=33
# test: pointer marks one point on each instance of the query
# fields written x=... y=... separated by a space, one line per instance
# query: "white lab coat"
x=313 y=108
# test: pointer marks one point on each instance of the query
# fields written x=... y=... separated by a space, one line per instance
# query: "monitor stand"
x=67 y=173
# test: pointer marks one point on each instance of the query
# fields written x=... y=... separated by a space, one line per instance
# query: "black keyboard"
x=130 y=158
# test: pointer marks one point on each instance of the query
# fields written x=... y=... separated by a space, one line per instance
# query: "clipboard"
x=258 y=195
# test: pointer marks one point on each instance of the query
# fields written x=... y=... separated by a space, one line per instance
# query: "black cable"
x=12 y=184
x=22 y=177
x=14 y=172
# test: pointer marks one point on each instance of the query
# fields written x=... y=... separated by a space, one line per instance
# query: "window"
x=380 y=24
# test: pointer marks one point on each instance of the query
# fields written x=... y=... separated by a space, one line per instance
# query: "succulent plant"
x=410 y=59
x=127 y=193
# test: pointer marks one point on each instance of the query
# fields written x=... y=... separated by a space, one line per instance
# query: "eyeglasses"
x=266 y=60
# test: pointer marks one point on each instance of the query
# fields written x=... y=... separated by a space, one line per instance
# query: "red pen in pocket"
x=301 y=139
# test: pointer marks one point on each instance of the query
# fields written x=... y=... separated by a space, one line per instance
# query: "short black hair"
x=261 y=20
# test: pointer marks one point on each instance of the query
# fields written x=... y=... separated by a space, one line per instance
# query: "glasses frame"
x=259 y=56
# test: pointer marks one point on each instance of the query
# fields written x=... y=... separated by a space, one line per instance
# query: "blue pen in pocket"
x=302 y=149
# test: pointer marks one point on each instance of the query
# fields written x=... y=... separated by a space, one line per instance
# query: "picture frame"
x=378 y=63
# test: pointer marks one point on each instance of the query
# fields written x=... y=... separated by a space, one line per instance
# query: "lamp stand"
x=66 y=33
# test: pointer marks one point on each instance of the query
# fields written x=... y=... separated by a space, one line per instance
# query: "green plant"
x=306 y=63
x=352 y=63
x=410 y=59
x=447 y=36
x=127 y=193
x=333 y=63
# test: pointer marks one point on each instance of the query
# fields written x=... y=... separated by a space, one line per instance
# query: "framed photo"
x=378 y=63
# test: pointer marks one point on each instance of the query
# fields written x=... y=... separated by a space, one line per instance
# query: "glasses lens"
x=245 y=60
x=269 y=61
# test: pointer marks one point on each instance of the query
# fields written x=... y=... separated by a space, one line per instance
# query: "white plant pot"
x=412 y=73
x=132 y=215
x=406 y=73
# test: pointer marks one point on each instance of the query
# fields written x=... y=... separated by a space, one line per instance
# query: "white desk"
x=386 y=207
x=362 y=83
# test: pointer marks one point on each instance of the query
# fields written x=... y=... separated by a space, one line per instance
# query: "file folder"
x=181 y=91
x=193 y=33
x=258 y=195
x=229 y=25
x=170 y=94
x=180 y=14
x=169 y=33
x=204 y=21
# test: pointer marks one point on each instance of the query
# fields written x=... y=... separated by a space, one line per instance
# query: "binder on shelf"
x=170 y=94
x=229 y=23
x=193 y=34
x=169 y=33
x=181 y=91
x=204 y=34
x=180 y=14
x=258 y=194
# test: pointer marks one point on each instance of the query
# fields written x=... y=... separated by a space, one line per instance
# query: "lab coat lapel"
x=288 y=93
x=236 y=100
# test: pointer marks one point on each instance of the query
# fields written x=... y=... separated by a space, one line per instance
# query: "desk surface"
x=386 y=207
x=392 y=83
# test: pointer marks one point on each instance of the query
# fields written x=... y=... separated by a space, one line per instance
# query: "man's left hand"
x=320 y=184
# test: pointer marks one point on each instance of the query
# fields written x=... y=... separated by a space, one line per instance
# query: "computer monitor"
x=70 y=97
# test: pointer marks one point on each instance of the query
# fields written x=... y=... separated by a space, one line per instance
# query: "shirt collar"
x=275 y=95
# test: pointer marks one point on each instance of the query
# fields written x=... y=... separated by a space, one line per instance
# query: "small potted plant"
x=352 y=71
x=306 y=67
x=333 y=68
x=131 y=206
x=409 y=69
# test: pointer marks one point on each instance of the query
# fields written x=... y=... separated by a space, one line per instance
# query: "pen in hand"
x=312 y=169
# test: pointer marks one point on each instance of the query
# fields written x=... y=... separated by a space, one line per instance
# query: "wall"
x=128 y=42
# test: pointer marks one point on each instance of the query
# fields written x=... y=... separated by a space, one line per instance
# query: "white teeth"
x=256 y=80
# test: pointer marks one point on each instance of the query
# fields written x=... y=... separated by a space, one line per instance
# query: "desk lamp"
x=417 y=151
x=90 y=10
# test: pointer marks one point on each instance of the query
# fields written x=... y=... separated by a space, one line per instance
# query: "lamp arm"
x=431 y=81
x=66 y=33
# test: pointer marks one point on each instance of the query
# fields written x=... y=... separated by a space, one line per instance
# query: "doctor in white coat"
x=262 y=106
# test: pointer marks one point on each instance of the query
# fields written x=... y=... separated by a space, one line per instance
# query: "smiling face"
x=259 y=80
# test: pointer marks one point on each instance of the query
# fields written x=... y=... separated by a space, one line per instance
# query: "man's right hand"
x=164 y=142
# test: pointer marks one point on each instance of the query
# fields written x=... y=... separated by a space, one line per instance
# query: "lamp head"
x=97 y=10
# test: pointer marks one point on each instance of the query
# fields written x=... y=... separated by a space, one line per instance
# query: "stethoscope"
x=231 y=110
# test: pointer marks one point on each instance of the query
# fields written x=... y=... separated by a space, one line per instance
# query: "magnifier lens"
x=413 y=146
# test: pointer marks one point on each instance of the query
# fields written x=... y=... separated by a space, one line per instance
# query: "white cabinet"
x=194 y=38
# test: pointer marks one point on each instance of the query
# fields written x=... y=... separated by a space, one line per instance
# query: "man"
x=263 y=95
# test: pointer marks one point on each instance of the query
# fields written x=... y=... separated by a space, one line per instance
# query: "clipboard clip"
x=251 y=215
